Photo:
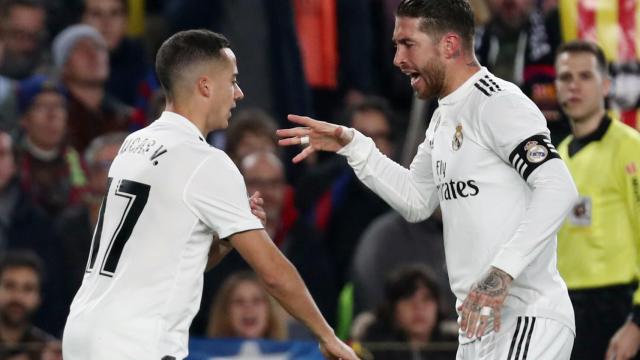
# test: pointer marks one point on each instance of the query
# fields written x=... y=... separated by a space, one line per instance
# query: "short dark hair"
x=585 y=46
x=7 y=5
x=22 y=259
x=440 y=16
x=184 y=49
x=249 y=121
x=372 y=103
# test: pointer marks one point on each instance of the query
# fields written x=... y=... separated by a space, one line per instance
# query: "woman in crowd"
x=243 y=309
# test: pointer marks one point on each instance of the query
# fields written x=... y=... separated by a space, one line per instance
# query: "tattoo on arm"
x=496 y=283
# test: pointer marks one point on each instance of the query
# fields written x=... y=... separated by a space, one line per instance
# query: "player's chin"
x=423 y=94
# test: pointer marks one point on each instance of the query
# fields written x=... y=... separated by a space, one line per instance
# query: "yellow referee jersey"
x=599 y=243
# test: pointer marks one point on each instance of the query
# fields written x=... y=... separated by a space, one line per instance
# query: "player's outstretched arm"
x=318 y=135
x=282 y=281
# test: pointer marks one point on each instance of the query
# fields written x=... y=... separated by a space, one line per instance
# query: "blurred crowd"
x=77 y=76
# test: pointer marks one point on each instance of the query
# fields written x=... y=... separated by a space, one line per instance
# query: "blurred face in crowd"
x=417 y=315
x=19 y=295
x=99 y=170
x=249 y=310
x=418 y=56
x=512 y=13
x=263 y=172
x=23 y=36
x=88 y=63
x=251 y=143
x=375 y=125
x=45 y=122
x=581 y=86
x=7 y=160
x=109 y=17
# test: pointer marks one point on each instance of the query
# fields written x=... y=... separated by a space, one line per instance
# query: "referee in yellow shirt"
x=599 y=243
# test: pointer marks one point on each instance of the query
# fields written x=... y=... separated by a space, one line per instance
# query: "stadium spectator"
x=599 y=242
x=128 y=67
x=410 y=314
x=23 y=225
x=243 y=309
x=21 y=275
x=76 y=223
x=80 y=53
x=23 y=45
x=50 y=171
x=250 y=130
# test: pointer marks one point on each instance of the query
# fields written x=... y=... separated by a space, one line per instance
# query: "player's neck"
x=587 y=126
x=459 y=72
x=191 y=113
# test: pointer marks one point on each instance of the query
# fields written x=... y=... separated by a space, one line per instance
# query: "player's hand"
x=321 y=136
x=483 y=302
x=337 y=350
x=256 y=202
x=625 y=343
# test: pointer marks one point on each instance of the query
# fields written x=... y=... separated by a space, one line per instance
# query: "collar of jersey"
x=181 y=121
x=462 y=91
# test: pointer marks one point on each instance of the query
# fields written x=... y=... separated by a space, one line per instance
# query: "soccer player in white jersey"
x=169 y=196
x=487 y=161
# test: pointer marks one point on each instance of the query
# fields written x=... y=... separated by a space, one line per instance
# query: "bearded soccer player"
x=489 y=164
x=169 y=194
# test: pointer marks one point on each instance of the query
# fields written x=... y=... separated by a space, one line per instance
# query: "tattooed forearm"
x=496 y=283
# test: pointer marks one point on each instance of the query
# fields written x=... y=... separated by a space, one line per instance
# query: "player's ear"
x=204 y=86
x=451 y=45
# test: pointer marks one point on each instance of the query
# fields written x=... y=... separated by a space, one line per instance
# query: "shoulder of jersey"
x=489 y=85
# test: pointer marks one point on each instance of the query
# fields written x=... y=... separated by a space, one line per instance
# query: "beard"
x=433 y=75
x=17 y=66
x=15 y=314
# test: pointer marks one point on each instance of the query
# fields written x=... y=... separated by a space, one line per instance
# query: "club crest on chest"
x=456 y=143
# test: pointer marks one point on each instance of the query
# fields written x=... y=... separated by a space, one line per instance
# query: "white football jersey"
x=482 y=149
x=169 y=192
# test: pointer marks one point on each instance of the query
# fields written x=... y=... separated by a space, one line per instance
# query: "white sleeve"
x=520 y=137
x=411 y=192
x=217 y=195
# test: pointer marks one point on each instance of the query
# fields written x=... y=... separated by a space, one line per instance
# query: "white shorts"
x=529 y=337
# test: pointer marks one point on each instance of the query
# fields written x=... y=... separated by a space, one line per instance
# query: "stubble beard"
x=433 y=76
